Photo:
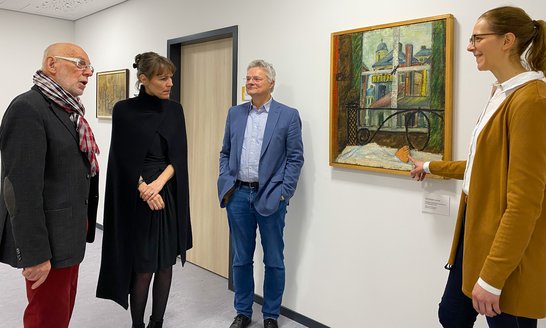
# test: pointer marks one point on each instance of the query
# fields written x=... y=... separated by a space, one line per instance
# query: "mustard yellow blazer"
x=505 y=225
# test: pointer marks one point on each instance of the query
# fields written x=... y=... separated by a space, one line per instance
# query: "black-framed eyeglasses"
x=479 y=35
x=80 y=63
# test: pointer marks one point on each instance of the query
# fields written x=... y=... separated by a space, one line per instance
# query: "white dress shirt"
x=252 y=142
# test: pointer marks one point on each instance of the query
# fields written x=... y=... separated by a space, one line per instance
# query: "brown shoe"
x=241 y=321
x=271 y=323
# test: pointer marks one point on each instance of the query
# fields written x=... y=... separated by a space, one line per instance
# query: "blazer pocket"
x=61 y=233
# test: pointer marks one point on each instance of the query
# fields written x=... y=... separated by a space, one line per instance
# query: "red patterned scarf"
x=71 y=105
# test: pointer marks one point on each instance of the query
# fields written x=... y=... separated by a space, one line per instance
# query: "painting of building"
x=400 y=75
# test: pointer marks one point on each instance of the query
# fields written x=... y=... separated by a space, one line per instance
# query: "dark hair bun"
x=137 y=60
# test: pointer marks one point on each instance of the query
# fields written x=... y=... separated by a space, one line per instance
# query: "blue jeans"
x=243 y=221
x=456 y=309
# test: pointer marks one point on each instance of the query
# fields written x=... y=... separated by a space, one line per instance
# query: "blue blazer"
x=281 y=157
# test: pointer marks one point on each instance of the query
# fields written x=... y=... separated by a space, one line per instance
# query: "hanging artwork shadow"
x=391 y=95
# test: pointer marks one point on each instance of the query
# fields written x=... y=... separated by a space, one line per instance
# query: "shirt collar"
x=265 y=106
x=518 y=80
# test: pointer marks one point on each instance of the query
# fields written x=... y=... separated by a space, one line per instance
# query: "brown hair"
x=151 y=64
x=529 y=33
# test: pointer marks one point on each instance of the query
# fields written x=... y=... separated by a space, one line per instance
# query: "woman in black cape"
x=146 y=210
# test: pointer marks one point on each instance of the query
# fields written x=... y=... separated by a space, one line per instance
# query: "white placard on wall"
x=435 y=204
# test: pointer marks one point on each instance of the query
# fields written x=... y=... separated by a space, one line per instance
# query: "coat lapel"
x=272 y=119
x=239 y=126
x=64 y=117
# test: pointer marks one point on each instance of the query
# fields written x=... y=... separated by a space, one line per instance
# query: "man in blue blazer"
x=260 y=164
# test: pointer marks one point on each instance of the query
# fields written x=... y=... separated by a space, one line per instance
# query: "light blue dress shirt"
x=252 y=142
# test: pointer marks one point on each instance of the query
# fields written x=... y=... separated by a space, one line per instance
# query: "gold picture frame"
x=391 y=94
x=112 y=86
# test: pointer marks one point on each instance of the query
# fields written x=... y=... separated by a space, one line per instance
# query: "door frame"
x=174 y=53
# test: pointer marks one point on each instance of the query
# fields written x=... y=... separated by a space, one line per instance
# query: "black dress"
x=155 y=232
x=148 y=133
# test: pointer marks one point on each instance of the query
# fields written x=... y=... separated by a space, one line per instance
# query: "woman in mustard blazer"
x=498 y=256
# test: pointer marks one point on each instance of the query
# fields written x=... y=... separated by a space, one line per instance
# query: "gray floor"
x=198 y=299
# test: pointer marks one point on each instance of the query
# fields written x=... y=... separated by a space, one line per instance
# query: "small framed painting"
x=112 y=86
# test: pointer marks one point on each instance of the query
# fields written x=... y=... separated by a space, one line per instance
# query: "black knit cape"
x=134 y=124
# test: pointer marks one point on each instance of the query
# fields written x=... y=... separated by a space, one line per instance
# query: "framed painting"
x=391 y=95
x=112 y=86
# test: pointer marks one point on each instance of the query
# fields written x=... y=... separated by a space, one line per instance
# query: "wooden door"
x=206 y=95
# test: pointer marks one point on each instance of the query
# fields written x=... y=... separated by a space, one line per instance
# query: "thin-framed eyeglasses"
x=256 y=79
x=479 y=35
x=80 y=63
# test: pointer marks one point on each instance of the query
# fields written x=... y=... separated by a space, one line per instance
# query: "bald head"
x=62 y=63
x=61 y=49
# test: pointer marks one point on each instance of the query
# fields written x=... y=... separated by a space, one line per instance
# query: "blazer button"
x=86 y=201
x=88 y=176
x=19 y=257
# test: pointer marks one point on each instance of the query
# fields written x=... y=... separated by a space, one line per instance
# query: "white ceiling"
x=65 y=9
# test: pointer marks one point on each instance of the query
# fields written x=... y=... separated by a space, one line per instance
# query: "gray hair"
x=267 y=67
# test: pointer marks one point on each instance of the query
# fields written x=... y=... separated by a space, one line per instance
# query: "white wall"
x=23 y=39
x=359 y=251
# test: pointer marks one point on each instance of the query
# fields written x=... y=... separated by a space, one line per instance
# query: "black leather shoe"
x=155 y=324
x=241 y=321
x=271 y=323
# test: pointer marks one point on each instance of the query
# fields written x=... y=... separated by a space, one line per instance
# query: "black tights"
x=160 y=294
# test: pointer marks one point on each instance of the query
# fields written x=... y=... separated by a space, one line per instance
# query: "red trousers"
x=51 y=304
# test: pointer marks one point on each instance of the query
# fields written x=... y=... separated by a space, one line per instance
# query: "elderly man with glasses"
x=49 y=179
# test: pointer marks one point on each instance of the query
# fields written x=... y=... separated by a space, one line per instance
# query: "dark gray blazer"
x=48 y=201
